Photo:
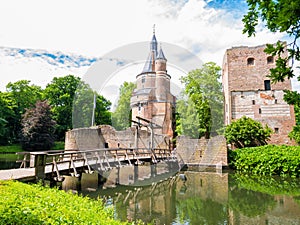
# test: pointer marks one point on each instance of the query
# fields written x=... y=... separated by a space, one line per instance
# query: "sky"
x=94 y=28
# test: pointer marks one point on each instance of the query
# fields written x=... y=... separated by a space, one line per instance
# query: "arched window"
x=250 y=61
x=270 y=59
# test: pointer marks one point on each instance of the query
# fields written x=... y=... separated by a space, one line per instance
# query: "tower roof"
x=161 y=55
x=148 y=67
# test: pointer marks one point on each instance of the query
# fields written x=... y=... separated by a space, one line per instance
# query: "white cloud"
x=96 y=27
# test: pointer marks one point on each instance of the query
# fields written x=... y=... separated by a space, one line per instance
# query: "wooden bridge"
x=55 y=164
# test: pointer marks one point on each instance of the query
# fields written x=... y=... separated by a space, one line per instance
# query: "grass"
x=11 y=148
x=59 y=145
x=34 y=204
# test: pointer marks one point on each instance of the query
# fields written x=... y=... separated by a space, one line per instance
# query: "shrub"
x=246 y=132
x=34 y=204
x=269 y=160
x=38 y=128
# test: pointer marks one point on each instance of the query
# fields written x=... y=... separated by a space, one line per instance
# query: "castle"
x=249 y=92
x=152 y=100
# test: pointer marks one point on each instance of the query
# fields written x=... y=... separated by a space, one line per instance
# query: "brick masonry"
x=249 y=92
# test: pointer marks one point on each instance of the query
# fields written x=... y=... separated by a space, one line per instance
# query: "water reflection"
x=8 y=161
x=192 y=197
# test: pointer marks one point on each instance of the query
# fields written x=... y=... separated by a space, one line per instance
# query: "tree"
x=246 y=132
x=122 y=115
x=38 y=128
x=187 y=121
x=60 y=94
x=84 y=105
x=279 y=16
x=203 y=88
x=18 y=97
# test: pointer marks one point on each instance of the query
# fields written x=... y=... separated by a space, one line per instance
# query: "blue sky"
x=94 y=28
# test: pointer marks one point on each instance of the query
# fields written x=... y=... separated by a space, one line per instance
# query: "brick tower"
x=152 y=99
x=249 y=92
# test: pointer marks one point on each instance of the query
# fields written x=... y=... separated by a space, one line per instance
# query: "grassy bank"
x=34 y=204
x=17 y=147
x=267 y=160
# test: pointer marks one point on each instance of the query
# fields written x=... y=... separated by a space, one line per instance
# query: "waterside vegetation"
x=267 y=160
x=35 y=204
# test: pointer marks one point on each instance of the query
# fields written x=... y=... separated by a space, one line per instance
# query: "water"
x=8 y=161
x=192 y=197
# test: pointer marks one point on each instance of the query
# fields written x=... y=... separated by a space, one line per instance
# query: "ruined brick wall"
x=248 y=91
x=205 y=152
x=106 y=136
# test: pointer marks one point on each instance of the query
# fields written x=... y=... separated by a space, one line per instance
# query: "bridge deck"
x=71 y=161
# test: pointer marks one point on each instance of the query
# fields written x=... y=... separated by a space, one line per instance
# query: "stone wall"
x=249 y=92
x=206 y=152
x=106 y=136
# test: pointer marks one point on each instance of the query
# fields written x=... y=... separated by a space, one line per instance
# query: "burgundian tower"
x=152 y=99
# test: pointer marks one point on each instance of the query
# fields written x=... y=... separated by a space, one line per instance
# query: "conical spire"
x=161 y=54
x=153 y=44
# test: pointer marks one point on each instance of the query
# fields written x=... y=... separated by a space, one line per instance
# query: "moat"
x=193 y=197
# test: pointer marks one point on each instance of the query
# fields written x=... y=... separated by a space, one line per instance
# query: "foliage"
x=187 y=121
x=18 y=96
x=246 y=132
x=279 y=16
x=269 y=160
x=85 y=102
x=122 y=115
x=60 y=94
x=33 y=204
x=295 y=134
x=38 y=128
x=203 y=88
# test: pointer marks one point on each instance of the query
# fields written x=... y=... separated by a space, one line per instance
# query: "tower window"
x=276 y=101
x=259 y=110
x=276 y=130
x=143 y=79
x=267 y=85
x=253 y=102
x=270 y=59
x=250 y=61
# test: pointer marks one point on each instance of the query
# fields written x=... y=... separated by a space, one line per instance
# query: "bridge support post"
x=39 y=164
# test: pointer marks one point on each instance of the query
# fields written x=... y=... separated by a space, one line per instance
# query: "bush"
x=34 y=204
x=246 y=132
x=269 y=160
x=38 y=128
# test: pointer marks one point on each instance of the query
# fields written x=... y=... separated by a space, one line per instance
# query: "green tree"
x=187 y=121
x=246 y=132
x=122 y=115
x=85 y=102
x=279 y=16
x=38 y=128
x=18 y=97
x=204 y=89
x=60 y=94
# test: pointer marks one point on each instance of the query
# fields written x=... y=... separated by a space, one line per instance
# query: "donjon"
x=152 y=99
x=249 y=92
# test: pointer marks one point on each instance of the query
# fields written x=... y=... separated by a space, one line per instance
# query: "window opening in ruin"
x=253 y=102
x=267 y=85
x=259 y=110
x=105 y=145
x=276 y=130
x=250 y=61
x=275 y=101
x=270 y=59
